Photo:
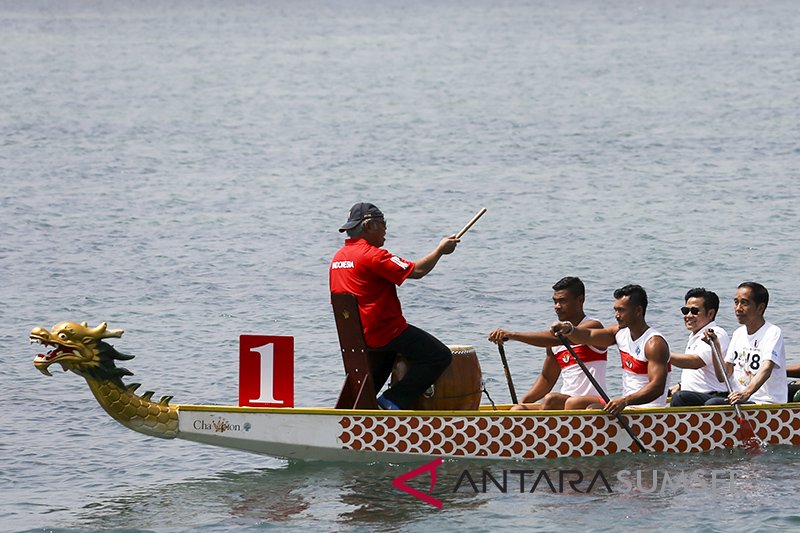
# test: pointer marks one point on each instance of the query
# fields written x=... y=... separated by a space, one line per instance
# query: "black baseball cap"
x=359 y=213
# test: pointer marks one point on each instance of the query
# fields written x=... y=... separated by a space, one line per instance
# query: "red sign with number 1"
x=266 y=371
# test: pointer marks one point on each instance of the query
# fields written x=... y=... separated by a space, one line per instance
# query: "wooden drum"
x=459 y=387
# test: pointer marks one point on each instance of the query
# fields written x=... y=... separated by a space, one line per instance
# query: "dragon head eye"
x=63 y=336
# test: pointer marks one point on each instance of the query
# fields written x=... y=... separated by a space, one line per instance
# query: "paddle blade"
x=747 y=437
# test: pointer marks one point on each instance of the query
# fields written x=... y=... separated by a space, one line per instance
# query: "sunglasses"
x=687 y=310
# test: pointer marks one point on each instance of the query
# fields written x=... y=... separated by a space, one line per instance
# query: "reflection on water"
x=299 y=493
x=361 y=497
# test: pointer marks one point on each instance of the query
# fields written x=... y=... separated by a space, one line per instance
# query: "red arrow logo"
x=400 y=482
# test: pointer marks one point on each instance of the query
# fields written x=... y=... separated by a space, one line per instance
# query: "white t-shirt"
x=704 y=379
x=747 y=353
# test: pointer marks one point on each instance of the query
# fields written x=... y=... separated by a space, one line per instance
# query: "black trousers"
x=687 y=398
x=722 y=400
x=428 y=358
x=794 y=386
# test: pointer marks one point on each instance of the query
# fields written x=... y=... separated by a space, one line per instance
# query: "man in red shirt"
x=361 y=267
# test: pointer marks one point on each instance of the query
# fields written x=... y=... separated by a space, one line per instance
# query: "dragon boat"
x=356 y=430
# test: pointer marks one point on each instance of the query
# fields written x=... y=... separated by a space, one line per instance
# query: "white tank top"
x=574 y=381
x=634 y=364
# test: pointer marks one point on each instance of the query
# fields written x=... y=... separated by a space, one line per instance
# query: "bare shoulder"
x=592 y=324
x=657 y=348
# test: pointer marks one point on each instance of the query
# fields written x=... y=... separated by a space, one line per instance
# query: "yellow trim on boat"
x=485 y=410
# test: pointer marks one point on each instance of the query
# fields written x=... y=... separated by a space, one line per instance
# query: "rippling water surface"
x=179 y=170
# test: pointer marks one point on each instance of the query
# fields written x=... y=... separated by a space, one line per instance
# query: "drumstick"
x=471 y=222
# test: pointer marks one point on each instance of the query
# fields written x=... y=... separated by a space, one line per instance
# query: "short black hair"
x=760 y=292
x=636 y=293
x=710 y=298
x=572 y=285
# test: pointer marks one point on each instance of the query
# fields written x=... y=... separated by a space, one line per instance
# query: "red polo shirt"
x=372 y=274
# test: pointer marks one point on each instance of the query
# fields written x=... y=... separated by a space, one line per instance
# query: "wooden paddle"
x=508 y=373
x=470 y=223
x=602 y=393
x=745 y=433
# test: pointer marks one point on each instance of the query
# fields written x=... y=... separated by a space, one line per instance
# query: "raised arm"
x=426 y=264
x=686 y=360
x=543 y=339
x=601 y=338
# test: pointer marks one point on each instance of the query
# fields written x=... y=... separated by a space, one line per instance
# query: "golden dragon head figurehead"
x=83 y=350
x=79 y=348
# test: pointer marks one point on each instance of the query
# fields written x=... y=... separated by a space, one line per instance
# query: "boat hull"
x=367 y=436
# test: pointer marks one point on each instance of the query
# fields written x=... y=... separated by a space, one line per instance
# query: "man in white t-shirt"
x=755 y=358
x=698 y=382
x=568 y=297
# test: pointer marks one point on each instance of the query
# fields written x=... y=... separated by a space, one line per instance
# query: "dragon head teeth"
x=43 y=369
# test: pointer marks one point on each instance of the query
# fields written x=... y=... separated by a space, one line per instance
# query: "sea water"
x=179 y=170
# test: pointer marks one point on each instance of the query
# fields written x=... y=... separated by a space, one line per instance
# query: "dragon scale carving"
x=83 y=350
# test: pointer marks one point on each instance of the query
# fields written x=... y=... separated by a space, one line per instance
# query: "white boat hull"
x=366 y=436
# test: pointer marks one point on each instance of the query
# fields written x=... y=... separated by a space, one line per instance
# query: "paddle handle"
x=721 y=362
x=746 y=433
x=478 y=215
x=602 y=393
x=728 y=384
x=508 y=372
x=585 y=369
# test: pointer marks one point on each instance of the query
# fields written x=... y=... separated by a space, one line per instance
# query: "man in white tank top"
x=644 y=353
x=568 y=299
x=698 y=381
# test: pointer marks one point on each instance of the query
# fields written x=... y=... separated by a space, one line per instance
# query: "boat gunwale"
x=502 y=410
